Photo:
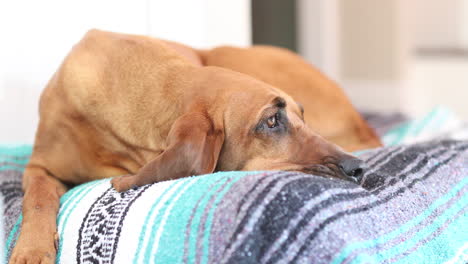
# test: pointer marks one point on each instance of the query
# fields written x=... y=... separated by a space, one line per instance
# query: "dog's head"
x=268 y=132
x=250 y=125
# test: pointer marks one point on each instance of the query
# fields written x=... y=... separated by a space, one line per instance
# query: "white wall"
x=318 y=34
x=369 y=46
x=438 y=81
x=36 y=35
x=436 y=23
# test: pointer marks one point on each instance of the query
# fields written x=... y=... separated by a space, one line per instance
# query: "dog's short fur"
x=124 y=104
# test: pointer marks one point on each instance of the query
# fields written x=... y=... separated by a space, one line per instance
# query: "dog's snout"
x=353 y=168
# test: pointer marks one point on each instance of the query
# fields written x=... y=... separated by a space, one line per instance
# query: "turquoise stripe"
x=447 y=114
x=12 y=168
x=15 y=150
x=406 y=130
x=209 y=222
x=11 y=151
x=194 y=227
x=404 y=228
x=176 y=215
x=73 y=198
x=434 y=120
x=174 y=234
x=444 y=246
x=396 y=135
x=420 y=125
x=148 y=216
x=147 y=251
x=423 y=233
x=155 y=225
x=12 y=234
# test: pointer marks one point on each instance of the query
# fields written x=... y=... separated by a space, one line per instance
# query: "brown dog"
x=123 y=104
x=327 y=110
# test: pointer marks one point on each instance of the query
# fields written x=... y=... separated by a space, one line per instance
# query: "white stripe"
x=70 y=231
x=460 y=257
x=151 y=199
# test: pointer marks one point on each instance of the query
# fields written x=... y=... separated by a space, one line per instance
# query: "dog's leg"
x=38 y=238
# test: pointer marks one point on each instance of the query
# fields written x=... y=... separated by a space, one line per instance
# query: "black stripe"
x=10 y=206
x=350 y=197
x=249 y=192
x=78 y=245
x=10 y=191
x=375 y=182
x=395 y=161
x=277 y=215
x=390 y=152
x=419 y=148
x=261 y=196
x=389 y=197
x=122 y=218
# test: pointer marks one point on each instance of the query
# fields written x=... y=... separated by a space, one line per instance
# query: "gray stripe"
x=411 y=232
x=5 y=156
x=295 y=221
x=374 y=198
x=336 y=208
x=429 y=238
x=375 y=167
x=233 y=209
x=375 y=157
x=13 y=205
x=7 y=163
x=201 y=226
x=405 y=172
x=254 y=195
x=371 y=224
x=256 y=215
x=190 y=221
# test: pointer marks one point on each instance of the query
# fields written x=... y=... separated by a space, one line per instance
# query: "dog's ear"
x=193 y=147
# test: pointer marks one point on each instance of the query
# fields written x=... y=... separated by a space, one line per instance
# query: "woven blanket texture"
x=411 y=207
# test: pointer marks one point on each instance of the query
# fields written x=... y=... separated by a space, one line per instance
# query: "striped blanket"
x=411 y=207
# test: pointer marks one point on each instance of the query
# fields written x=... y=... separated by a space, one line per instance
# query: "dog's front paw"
x=28 y=250
x=32 y=255
x=124 y=183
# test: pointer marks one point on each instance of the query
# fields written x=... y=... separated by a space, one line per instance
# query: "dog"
x=326 y=107
x=150 y=110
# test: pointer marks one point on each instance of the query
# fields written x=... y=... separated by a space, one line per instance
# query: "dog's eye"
x=272 y=121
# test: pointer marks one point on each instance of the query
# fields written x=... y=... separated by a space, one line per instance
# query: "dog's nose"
x=353 y=168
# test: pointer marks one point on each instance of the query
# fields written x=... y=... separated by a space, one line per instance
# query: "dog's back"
x=107 y=95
